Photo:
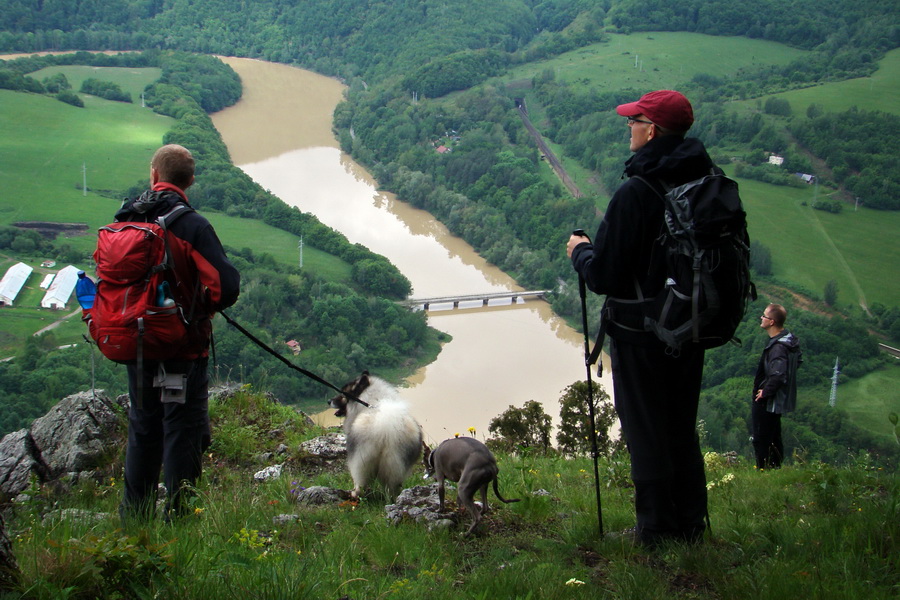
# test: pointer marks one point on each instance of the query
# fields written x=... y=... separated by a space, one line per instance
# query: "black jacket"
x=626 y=245
x=776 y=374
x=203 y=280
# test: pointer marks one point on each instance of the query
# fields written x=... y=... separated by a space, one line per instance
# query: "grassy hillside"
x=869 y=400
x=878 y=92
x=805 y=531
x=657 y=60
x=132 y=81
x=45 y=143
x=810 y=247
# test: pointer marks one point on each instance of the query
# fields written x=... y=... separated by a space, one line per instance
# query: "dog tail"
x=501 y=498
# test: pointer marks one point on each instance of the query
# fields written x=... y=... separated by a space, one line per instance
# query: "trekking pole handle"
x=579 y=232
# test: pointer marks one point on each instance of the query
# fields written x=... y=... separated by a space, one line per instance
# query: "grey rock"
x=330 y=446
x=78 y=433
x=282 y=520
x=273 y=472
x=19 y=460
x=420 y=504
x=75 y=438
x=318 y=495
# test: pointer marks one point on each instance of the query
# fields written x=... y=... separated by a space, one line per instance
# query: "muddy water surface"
x=280 y=134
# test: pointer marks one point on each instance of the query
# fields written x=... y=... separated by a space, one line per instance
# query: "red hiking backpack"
x=134 y=317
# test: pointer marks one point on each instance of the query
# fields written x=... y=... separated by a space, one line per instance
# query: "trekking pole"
x=582 y=291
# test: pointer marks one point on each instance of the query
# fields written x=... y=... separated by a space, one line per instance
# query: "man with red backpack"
x=168 y=421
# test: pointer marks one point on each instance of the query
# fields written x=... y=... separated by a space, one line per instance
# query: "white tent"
x=61 y=289
x=12 y=282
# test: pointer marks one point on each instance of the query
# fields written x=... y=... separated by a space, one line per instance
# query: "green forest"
x=421 y=71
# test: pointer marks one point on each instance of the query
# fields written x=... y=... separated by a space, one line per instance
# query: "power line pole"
x=832 y=401
x=300 y=247
x=83 y=179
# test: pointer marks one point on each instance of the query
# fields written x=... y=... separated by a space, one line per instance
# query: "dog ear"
x=362 y=382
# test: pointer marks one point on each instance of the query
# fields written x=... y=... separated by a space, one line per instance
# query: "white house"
x=12 y=282
x=61 y=289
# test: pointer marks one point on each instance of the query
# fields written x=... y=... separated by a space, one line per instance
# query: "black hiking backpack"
x=706 y=251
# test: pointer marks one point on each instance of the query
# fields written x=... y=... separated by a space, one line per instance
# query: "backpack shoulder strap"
x=165 y=221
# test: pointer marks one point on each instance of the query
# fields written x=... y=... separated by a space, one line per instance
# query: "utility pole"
x=300 y=247
x=832 y=401
x=83 y=179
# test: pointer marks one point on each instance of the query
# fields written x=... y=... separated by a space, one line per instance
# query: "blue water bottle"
x=164 y=296
x=85 y=290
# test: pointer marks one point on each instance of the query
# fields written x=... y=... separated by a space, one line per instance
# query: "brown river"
x=500 y=356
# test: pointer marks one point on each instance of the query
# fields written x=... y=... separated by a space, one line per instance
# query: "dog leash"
x=309 y=374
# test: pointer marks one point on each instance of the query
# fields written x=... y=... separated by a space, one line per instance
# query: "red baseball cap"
x=667 y=108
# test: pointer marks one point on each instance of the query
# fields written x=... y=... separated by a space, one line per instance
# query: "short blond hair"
x=175 y=165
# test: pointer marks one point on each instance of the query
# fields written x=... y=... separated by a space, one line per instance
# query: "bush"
x=526 y=427
x=70 y=97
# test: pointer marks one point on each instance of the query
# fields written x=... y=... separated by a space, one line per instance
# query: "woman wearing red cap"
x=656 y=391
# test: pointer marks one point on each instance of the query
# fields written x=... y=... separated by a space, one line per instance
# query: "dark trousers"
x=165 y=436
x=766 y=430
x=656 y=398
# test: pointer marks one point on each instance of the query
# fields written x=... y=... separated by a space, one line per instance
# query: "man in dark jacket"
x=170 y=431
x=656 y=391
x=774 y=387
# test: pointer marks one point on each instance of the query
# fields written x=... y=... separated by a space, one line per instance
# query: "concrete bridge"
x=426 y=303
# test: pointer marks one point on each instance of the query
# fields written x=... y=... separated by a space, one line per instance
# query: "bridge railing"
x=426 y=303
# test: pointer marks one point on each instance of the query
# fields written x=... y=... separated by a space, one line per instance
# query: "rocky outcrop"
x=74 y=439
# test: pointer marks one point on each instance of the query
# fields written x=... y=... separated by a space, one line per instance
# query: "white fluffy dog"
x=383 y=440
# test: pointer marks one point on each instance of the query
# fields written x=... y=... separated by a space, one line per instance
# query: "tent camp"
x=12 y=283
x=61 y=289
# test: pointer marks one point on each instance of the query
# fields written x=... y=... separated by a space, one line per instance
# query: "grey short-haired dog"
x=471 y=465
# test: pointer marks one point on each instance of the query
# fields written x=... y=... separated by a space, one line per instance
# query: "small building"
x=48 y=264
x=12 y=282
x=57 y=297
x=294 y=345
x=806 y=177
x=442 y=149
x=48 y=279
x=774 y=159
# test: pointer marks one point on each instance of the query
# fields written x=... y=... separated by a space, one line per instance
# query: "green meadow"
x=877 y=92
x=810 y=247
x=131 y=80
x=868 y=400
x=657 y=60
